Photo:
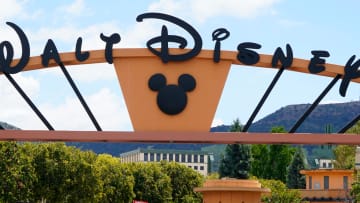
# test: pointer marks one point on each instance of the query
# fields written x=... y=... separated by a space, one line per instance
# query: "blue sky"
x=305 y=25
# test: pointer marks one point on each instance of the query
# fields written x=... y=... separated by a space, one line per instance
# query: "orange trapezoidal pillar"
x=231 y=191
x=207 y=79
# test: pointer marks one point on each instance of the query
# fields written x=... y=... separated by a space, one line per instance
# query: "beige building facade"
x=197 y=160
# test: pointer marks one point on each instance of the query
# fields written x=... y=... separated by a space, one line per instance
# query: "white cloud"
x=169 y=6
x=65 y=40
x=202 y=10
x=65 y=36
x=10 y=9
x=92 y=72
x=29 y=84
x=14 y=109
x=331 y=102
x=291 y=23
x=135 y=35
x=76 y=8
x=108 y=108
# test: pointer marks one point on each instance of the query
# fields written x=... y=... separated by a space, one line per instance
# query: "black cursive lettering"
x=247 y=56
x=351 y=71
x=165 y=38
x=50 y=52
x=217 y=36
x=279 y=56
x=316 y=64
x=110 y=41
x=80 y=56
x=5 y=61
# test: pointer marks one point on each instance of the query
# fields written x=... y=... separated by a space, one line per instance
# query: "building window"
x=201 y=168
x=189 y=166
x=171 y=157
x=151 y=156
x=189 y=158
x=330 y=165
x=310 y=182
x=201 y=158
x=145 y=156
x=164 y=157
x=196 y=167
x=317 y=185
x=158 y=156
x=183 y=158
x=324 y=164
x=177 y=158
x=326 y=182
x=345 y=182
x=195 y=158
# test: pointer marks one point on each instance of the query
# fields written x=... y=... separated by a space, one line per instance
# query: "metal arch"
x=97 y=56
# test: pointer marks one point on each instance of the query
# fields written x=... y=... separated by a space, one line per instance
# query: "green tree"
x=236 y=126
x=117 y=181
x=50 y=167
x=236 y=161
x=295 y=180
x=151 y=184
x=17 y=175
x=213 y=176
x=64 y=174
x=345 y=154
x=82 y=183
x=260 y=157
x=183 y=182
x=279 y=192
x=355 y=191
x=354 y=129
x=280 y=157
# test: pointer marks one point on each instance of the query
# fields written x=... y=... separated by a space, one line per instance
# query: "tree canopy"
x=280 y=157
x=295 y=180
x=345 y=154
x=236 y=161
x=54 y=172
x=279 y=192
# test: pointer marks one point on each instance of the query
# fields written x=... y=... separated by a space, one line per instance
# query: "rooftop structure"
x=327 y=185
x=197 y=160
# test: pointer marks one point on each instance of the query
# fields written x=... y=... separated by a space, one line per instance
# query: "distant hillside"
x=7 y=126
x=334 y=115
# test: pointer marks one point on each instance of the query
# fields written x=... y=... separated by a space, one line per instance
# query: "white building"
x=325 y=163
x=196 y=160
